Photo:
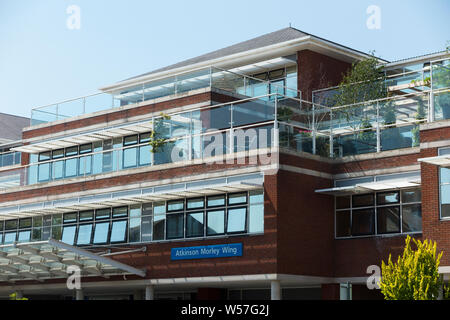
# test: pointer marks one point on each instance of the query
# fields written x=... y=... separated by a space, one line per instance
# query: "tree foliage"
x=158 y=135
x=363 y=82
x=415 y=274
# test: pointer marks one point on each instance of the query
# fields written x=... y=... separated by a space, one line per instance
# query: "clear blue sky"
x=42 y=61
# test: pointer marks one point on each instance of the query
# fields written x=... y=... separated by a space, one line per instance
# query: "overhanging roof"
x=442 y=161
x=49 y=260
x=135 y=196
x=87 y=137
x=369 y=187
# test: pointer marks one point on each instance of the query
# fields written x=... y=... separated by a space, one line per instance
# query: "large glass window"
x=159 y=220
x=130 y=154
x=68 y=234
x=256 y=215
x=71 y=165
x=175 y=225
x=393 y=212
x=444 y=196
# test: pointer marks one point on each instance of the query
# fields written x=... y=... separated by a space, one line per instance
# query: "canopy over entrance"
x=50 y=259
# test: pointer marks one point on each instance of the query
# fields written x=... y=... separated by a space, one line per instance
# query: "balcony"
x=239 y=85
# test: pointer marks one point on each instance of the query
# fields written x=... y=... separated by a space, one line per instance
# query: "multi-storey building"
x=262 y=187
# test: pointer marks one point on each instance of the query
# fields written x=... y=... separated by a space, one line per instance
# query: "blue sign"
x=204 y=252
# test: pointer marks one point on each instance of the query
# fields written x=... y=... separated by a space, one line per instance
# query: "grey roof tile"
x=11 y=126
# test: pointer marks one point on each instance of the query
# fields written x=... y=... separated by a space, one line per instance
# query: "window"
x=71 y=165
x=86 y=216
x=197 y=203
x=84 y=234
x=363 y=222
x=444 y=197
x=101 y=233
x=215 y=222
x=119 y=231
x=159 y=220
x=388 y=219
x=144 y=150
x=236 y=220
x=237 y=198
x=70 y=217
x=395 y=212
x=120 y=212
x=102 y=214
x=256 y=214
x=216 y=201
x=175 y=225
x=194 y=224
x=176 y=205
x=10 y=237
x=68 y=234
x=24 y=236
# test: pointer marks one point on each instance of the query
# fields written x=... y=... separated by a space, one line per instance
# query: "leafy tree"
x=363 y=82
x=13 y=296
x=158 y=136
x=415 y=274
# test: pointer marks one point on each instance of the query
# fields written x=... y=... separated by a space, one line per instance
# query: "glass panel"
x=70 y=217
x=72 y=151
x=145 y=155
x=194 y=224
x=396 y=138
x=71 y=167
x=363 y=200
x=25 y=223
x=388 y=220
x=56 y=232
x=85 y=165
x=195 y=203
x=237 y=198
x=388 y=197
x=97 y=159
x=11 y=224
x=119 y=231
x=24 y=236
x=130 y=157
x=215 y=222
x=135 y=210
x=58 y=170
x=68 y=234
x=102 y=213
x=445 y=201
x=159 y=227
x=44 y=156
x=146 y=227
x=86 y=148
x=343 y=202
x=56 y=219
x=1 y=225
x=253 y=112
x=236 y=220
x=256 y=196
x=444 y=175
x=37 y=234
x=135 y=229
x=37 y=222
x=411 y=195
x=412 y=218
x=175 y=225
x=343 y=228
x=130 y=140
x=176 y=205
x=43 y=172
x=363 y=222
x=86 y=215
x=84 y=234
x=256 y=218
x=216 y=201
x=216 y=118
x=101 y=232
x=10 y=237
x=120 y=212
x=147 y=209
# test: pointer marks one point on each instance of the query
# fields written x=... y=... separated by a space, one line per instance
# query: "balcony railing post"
x=84 y=105
x=378 y=128
x=331 y=134
x=313 y=129
x=431 y=114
